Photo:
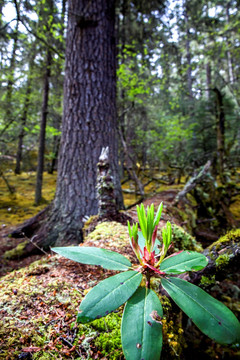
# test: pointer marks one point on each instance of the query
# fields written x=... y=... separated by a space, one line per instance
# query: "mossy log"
x=223 y=259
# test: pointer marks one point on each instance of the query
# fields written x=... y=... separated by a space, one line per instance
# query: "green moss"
x=30 y=306
x=182 y=240
x=17 y=208
x=114 y=235
x=17 y=252
x=222 y=260
x=173 y=334
x=43 y=356
x=109 y=340
x=232 y=236
x=206 y=281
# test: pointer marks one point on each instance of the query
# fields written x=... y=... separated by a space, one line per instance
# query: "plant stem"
x=148 y=280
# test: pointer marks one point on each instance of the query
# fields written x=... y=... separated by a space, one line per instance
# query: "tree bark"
x=58 y=85
x=223 y=259
x=89 y=121
x=208 y=79
x=105 y=187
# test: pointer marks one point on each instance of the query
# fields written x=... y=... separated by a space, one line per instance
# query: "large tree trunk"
x=58 y=85
x=89 y=120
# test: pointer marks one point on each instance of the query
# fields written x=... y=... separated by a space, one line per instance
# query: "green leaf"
x=95 y=256
x=108 y=295
x=142 y=220
x=184 y=261
x=212 y=317
x=141 y=326
x=158 y=215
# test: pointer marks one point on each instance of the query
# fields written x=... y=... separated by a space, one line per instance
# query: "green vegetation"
x=141 y=326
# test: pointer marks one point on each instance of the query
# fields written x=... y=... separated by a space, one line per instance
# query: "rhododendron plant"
x=141 y=328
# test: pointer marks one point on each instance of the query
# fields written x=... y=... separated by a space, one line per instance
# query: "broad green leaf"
x=184 y=261
x=141 y=243
x=95 y=256
x=212 y=317
x=141 y=326
x=108 y=295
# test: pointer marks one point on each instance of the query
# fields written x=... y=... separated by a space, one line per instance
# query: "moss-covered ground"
x=38 y=308
x=38 y=303
x=17 y=207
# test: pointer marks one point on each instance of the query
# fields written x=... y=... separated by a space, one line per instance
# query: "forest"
x=119 y=147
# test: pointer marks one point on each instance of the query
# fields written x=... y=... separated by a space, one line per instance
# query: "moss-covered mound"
x=38 y=308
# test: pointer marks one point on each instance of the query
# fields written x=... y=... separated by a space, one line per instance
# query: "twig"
x=69 y=344
x=31 y=241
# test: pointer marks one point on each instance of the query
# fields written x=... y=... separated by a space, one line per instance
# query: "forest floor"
x=18 y=207
x=7 y=243
x=40 y=294
x=45 y=295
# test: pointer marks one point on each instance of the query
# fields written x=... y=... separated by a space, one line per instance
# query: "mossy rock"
x=111 y=233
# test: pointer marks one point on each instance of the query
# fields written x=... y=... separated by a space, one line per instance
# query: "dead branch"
x=192 y=183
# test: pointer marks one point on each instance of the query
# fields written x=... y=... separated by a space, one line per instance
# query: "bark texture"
x=89 y=124
x=89 y=119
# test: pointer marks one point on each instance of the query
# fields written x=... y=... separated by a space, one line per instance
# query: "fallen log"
x=192 y=183
x=223 y=259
